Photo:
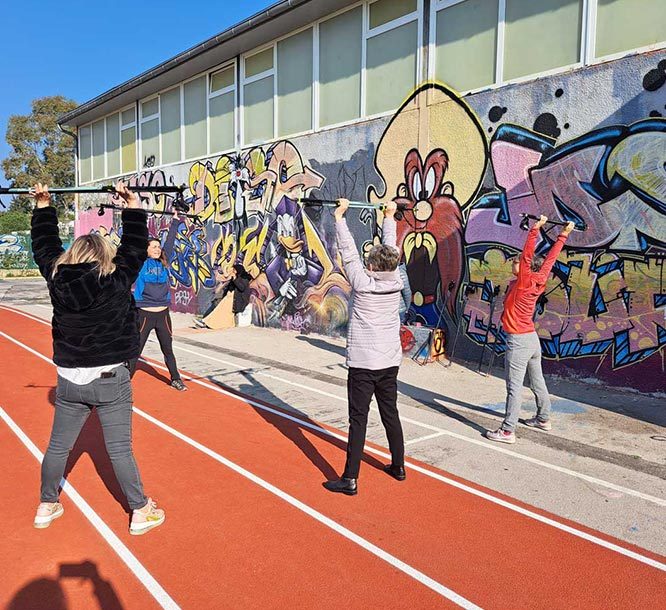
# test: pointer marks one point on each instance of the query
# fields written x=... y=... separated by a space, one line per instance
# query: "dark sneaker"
x=344 y=486
x=501 y=436
x=535 y=422
x=178 y=385
x=397 y=472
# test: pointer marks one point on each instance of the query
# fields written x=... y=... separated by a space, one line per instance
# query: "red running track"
x=280 y=540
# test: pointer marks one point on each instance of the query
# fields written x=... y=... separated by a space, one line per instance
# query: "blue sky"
x=80 y=49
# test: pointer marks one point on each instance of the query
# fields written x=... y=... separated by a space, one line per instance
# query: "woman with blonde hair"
x=95 y=334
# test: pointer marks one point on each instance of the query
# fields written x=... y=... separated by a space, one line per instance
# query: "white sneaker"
x=535 y=422
x=501 y=436
x=146 y=518
x=46 y=513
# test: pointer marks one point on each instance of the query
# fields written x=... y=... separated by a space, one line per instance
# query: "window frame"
x=233 y=63
x=121 y=128
x=586 y=55
x=248 y=80
x=369 y=33
x=591 y=40
x=146 y=119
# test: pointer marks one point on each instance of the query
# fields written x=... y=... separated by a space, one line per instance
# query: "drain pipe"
x=76 y=170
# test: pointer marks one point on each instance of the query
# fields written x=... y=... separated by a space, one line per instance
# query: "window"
x=98 y=169
x=128 y=140
x=391 y=47
x=85 y=154
x=150 y=133
x=623 y=25
x=194 y=99
x=113 y=145
x=340 y=60
x=294 y=84
x=541 y=36
x=479 y=43
x=258 y=96
x=384 y=11
x=170 y=125
x=466 y=40
x=221 y=105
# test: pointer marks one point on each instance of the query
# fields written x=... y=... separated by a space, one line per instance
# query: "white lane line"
x=323 y=519
x=437 y=431
x=308 y=510
x=435 y=475
x=420 y=439
x=127 y=557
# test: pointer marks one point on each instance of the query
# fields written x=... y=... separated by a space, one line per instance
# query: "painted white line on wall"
x=126 y=556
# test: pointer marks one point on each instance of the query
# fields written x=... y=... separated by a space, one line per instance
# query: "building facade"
x=470 y=112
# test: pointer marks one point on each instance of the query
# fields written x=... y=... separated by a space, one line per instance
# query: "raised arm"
x=389 y=228
x=351 y=260
x=46 y=244
x=555 y=250
x=527 y=255
x=171 y=238
x=133 y=248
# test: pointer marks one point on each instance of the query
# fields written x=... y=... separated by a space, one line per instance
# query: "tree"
x=41 y=152
x=14 y=220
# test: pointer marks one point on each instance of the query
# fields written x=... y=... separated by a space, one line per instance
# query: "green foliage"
x=14 y=220
x=41 y=152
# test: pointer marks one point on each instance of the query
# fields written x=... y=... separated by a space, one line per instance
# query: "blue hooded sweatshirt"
x=151 y=288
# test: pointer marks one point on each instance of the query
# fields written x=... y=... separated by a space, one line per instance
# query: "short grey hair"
x=383 y=258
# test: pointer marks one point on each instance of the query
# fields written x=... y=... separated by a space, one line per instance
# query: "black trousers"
x=161 y=322
x=361 y=385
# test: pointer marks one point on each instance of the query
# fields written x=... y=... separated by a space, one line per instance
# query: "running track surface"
x=229 y=542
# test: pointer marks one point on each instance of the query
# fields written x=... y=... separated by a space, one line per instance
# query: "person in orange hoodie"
x=523 y=349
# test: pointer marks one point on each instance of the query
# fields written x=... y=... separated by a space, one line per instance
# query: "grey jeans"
x=113 y=398
x=523 y=353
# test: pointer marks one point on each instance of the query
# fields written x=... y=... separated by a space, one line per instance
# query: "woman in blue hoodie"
x=151 y=293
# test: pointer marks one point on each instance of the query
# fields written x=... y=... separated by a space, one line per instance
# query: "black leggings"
x=161 y=322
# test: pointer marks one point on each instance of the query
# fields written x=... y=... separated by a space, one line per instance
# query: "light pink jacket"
x=373 y=334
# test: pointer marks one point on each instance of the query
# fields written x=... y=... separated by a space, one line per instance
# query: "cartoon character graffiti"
x=607 y=295
x=293 y=269
x=438 y=174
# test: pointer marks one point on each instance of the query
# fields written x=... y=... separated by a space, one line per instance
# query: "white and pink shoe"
x=46 y=513
x=146 y=518
x=501 y=436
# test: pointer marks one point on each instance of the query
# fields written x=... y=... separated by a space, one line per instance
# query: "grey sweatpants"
x=523 y=353
x=73 y=404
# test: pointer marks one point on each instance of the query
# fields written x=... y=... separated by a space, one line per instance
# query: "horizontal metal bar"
x=94 y=189
x=554 y=222
x=314 y=202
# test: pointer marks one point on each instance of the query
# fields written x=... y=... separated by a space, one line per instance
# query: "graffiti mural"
x=16 y=251
x=607 y=298
x=464 y=170
x=608 y=294
x=432 y=158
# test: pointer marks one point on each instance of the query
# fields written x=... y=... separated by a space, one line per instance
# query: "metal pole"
x=94 y=189
x=314 y=202
x=554 y=222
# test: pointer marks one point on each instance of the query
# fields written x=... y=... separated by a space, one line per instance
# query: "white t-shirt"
x=82 y=375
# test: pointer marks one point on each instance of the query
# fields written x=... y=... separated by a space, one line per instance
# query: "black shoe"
x=343 y=486
x=397 y=472
x=178 y=385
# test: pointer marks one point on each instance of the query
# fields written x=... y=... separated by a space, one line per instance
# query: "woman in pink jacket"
x=374 y=352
